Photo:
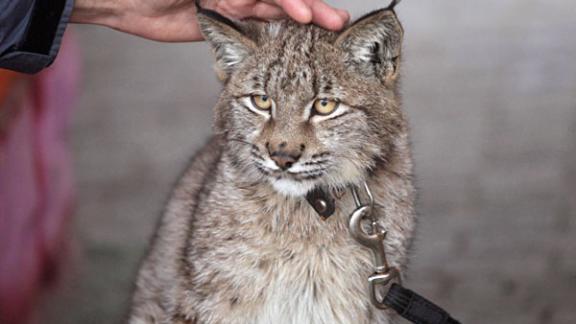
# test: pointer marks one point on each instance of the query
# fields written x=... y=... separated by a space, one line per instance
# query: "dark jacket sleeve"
x=31 y=32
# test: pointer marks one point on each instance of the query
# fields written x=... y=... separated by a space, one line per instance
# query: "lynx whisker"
x=239 y=140
x=256 y=155
x=263 y=170
x=307 y=171
x=320 y=155
x=312 y=176
x=319 y=162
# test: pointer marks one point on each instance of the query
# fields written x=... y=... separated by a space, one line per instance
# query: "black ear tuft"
x=393 y=4
x=214 y=15
x=373 y=43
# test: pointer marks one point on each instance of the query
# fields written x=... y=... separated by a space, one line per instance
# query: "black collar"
x=323 y=202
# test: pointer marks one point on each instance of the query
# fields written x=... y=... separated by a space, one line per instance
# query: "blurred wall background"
x=490 y=89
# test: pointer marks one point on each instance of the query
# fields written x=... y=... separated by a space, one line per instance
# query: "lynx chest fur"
x=302 y=108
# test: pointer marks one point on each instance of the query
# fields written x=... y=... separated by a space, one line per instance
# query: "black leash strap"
x=416 y=308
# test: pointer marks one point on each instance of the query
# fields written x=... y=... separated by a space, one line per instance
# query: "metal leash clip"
x=383 y=274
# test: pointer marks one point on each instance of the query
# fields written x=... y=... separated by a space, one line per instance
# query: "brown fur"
x=238 y=242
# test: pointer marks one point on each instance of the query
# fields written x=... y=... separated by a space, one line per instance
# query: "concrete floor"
x=490 y=88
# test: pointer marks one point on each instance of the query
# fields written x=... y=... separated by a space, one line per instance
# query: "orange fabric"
x=36 y=187
x=6 y=79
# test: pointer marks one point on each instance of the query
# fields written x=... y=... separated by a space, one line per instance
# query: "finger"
x=233 y=10
x=267 y=11
x=326 y=16
x=297 y=10
x=344 y=15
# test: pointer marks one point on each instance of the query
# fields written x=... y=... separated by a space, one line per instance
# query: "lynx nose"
x=283 y=159
x=283 y=154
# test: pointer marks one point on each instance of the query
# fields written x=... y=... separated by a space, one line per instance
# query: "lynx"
x=302 y=109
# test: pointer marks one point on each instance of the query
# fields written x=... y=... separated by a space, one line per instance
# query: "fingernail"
x=305 y=14
x=343 y=14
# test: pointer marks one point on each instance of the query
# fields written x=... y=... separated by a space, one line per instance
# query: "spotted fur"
x=238 y=242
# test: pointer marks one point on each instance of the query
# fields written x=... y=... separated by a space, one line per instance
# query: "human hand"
x=175 y=20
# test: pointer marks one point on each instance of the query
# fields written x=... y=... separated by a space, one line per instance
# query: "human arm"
x=175 y=20
x=31 y=31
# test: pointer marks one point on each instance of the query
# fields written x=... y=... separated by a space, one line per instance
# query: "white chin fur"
x=292 y=188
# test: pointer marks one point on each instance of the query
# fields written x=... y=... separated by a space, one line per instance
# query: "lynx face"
x=304 y=107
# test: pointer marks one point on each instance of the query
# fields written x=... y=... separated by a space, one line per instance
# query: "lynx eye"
x=325 y=106
x=261 y=102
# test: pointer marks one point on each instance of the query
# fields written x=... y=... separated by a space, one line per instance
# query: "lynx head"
x=305 y=107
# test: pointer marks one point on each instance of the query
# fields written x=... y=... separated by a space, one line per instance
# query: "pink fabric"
x=36 y=190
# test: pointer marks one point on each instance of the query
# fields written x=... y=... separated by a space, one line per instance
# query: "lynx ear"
x=373 y=44
x=227 y=40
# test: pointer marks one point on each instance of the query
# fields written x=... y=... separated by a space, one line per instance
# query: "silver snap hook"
x=374 y=240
